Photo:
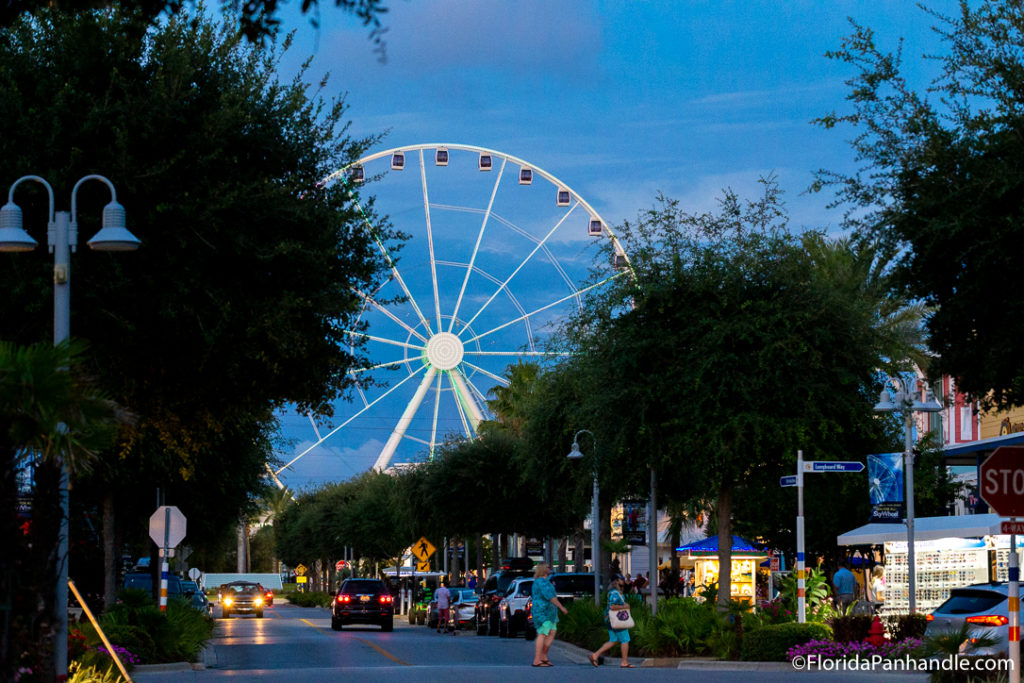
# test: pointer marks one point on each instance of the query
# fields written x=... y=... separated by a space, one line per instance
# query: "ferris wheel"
x=499 y=252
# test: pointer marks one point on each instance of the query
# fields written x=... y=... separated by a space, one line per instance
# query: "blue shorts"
x=621 y=636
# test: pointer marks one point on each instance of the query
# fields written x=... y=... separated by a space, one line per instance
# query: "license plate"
x=364 y=598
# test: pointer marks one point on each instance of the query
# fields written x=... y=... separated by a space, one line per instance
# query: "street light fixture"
x=906 y=401
x=62 y=238
x=595 y=513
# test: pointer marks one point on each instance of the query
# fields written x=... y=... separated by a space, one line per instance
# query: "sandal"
x=627 y=666
x=593 y=660
x=543 y=664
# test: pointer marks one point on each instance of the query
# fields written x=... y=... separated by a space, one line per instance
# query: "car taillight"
x=343 y=598
x=385 y=599
x=268 y=595
x=989 y=620
x=930 y=617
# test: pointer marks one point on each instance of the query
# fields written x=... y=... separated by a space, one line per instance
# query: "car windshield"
x=970 y=601
x=573 y=583
x=243 y=587
x=189 y=587
x=363 y=586
x=464 y=595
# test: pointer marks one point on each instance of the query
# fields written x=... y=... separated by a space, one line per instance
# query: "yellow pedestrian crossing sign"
x=423 y=566
x=423 y=549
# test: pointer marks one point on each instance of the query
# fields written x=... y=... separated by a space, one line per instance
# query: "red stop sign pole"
x=1002 y=486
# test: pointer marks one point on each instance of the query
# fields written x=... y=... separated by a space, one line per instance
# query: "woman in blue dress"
x=545 y=613
x=620 y=636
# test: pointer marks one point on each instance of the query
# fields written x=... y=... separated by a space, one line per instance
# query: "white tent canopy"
x=925 y=529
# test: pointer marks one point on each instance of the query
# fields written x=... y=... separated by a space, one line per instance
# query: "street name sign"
x=789 y=480
x=167 y=524
x=1002 y=481
x=833 y=466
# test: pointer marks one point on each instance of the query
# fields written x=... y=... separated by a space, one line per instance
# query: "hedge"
x=770 y=643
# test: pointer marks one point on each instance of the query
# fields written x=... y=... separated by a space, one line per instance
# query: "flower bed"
x=829 y=649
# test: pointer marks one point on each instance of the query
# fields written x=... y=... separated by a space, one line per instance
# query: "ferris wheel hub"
x=445 y=351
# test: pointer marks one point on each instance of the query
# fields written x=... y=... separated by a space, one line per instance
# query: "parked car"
x=529 y=630
x=570 y=586
x=191 y=592
x=144 y=581
x=268 y=596
x=241 y=597
x=462 y=613
x=456 y=595
x=983 y=607
x=512 y=608
x=363 y=601
x=488 y=620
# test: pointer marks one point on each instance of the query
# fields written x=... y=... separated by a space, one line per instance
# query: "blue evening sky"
x=619 y=100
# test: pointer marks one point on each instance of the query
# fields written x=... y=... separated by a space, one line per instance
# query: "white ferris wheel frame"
x=442 y=342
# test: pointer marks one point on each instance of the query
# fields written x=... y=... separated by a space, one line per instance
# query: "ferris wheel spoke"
x=384 y=309
x=437 y=407
x=430 y=240
x=346 y=422
x=553 y=354
x=387 y=257
x=520 y=266
x=476 y=247
x=476 y=390
x=403 y=422
x=458 y=405
x=473 y=411
x=382 y=340
x=400 y=361
x=526 y=316
x=496 y=378
x=316 y=429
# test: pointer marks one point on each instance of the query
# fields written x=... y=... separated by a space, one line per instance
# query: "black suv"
x=363 y=601
x=488 y=618
x=572 y=585
x=144 y=581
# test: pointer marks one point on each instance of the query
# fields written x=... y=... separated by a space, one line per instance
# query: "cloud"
x=326 y=463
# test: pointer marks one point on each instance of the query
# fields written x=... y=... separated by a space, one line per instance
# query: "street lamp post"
x=62 y=239
x=906 y=401
x=595 y=513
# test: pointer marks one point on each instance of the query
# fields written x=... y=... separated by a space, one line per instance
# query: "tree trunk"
x=578 y=550
x=724 y=546
x=563 y=544
x=496 y=550
x=479 y=556
x=604 y=538
x=111 y=558
x=455 y=560
x=240 y=560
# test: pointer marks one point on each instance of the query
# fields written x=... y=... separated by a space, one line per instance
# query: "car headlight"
x=258 y=601
x=226 y=602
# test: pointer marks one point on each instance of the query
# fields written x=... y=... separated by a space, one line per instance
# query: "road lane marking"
x=376 y=647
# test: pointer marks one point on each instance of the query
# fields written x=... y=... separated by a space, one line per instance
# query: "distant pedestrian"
x=444 y=597
x=845 y=584
x=472 y=580
x=545 y=613
x=877 y=588
x=615 y=636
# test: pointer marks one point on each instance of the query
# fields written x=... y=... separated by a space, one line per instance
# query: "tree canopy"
x=940 y=183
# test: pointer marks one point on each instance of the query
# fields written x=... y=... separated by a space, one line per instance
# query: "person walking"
x=546 y=607
x=877 y=588
x=845 y=584
x=444 y=597
x=615 y=636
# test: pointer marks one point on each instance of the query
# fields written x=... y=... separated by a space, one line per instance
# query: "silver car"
x=462 y=613
x=985 y=609
x=512 y=608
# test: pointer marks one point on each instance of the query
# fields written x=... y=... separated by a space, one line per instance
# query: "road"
x=296 y=645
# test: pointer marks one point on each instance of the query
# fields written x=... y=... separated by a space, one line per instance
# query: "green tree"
x=240 y=297
x=729 y=350
x=940 y=183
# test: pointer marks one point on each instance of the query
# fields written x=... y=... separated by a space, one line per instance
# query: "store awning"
x=925 y=529
x=709 y=546
x=968 y=453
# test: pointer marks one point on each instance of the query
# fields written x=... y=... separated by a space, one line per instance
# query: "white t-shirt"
x=444 y=597
x=878 y=589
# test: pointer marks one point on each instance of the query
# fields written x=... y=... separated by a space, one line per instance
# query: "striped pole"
x=1014 y=604
x=164 y=568
x=801 y=599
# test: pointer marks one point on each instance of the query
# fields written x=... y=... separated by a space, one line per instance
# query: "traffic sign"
x=167 y=526
x=788 y=480
x=423 y=549
x=194 y=573
x=1013 y=526
x=833 y=466
x=1002 y=481
x=300 y=570
x=340 y=564
x=423 y=566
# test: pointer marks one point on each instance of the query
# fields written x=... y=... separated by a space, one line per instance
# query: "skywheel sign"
x=885 y=486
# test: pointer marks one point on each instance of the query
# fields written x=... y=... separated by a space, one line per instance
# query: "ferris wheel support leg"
x=403 y=422
x=476 y=416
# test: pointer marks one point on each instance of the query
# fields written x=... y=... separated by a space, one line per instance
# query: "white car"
x=462 y=612
x=984 y=608
x=512 y=608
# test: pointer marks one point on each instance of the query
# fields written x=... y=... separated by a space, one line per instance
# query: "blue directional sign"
x=788 y=481
x=833 y=466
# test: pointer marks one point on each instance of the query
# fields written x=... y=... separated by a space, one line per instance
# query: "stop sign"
x=167 y=524
x=1002 y=481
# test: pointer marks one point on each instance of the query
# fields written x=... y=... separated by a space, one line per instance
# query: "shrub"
x=903 y=626
x=583 y=625
x=770 y=643
x=681 y=626
x=311 y=599
x=850 y=627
